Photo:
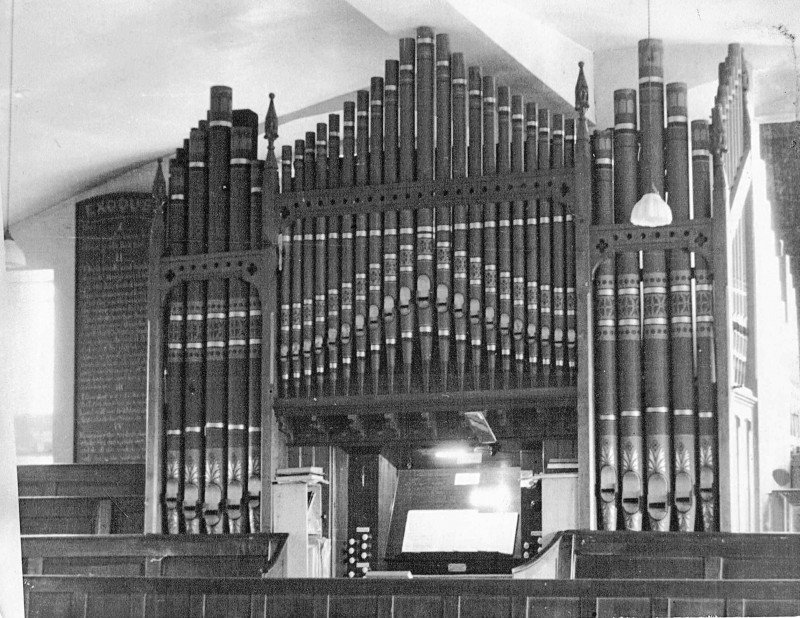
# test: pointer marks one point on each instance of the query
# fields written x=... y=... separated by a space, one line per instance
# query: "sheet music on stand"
x=459 y=530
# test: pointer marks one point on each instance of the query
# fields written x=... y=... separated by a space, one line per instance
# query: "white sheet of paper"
x=462 y=530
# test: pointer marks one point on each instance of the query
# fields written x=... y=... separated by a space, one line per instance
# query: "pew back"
x=81 y=514
x=81 y=480
x=90 y=597
x=136 y=555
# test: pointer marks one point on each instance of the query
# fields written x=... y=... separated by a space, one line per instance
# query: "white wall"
x=48 y=241
x=778 y=371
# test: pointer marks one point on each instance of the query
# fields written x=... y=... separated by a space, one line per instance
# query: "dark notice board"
x=111 y=253
x=436 y=490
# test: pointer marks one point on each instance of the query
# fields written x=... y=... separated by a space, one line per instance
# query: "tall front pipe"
x=680 y=294
x=298 y=248
x=629 y=329
x=176 y=350
x=425 y=234
x=518 y=239
x=406 y=231
x=605 y=342
x=194 y=376
x=704 y=294
x=347 y=180
x=460 y=218
x=243 y=151
x=285 y=268
x=655 y=301
x=504 y=234
x=571 y=300
x=334 y=225
x=559 y=293
x=362 y=233
x=532 y=243
x=320 y=260
x=375 y=296
x=545 y=253
x=444 y=223
x=309 y=183
x=476 y=305
x=390 y=176
x=490 y=231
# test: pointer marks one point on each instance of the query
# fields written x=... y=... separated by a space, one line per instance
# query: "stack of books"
x=307 y=474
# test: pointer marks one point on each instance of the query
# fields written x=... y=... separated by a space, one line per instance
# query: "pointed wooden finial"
x=581 y=92
x=271 y=132
x=159 y=188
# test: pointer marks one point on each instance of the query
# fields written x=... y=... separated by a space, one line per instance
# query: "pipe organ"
x=428 y=252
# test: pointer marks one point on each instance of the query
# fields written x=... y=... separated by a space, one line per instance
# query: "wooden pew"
x=94 y=597
x=81 y=480
x=666 y=555
x=136 y=555
x=81 y=514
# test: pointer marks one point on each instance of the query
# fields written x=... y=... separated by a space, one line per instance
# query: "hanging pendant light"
x=651 y=210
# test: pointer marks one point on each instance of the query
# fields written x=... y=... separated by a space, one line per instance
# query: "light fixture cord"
x=648 y=19
x=7 y=204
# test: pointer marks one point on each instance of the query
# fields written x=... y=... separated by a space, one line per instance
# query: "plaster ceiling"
x=100 y=86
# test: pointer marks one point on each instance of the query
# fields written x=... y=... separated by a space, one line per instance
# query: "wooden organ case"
x=444 y=263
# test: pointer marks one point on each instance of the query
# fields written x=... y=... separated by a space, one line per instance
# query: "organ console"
x=479 y=241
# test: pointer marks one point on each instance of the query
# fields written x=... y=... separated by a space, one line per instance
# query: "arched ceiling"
x=100 y=86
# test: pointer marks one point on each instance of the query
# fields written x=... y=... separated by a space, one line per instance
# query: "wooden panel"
x=169 y=605
x=409 y=606
x=638 y=567
x=108 y=606
x=227 y=606
x=81 y=480
x=352 y=606
x=212 y=566
x=473 y=606
x=49 y=605
x=117 y=565
x=775 y=568
x=615 y=607
x=771 y=608
x=696 y=607
x=79 y=515
x=295 y=606
x=553 y=607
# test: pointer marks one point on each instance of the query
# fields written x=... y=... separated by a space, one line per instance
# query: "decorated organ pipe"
x=655 y=298
x=571 y=333
x=320 y=260
x=680 y=307
x=490 y=232
x=518 y=240
x=334 y=243
x=629 y=326
x=545 y=253
x=390 y=231
x=532 y=242
x=706 y=421
x=605 y=341
x=176 y=337
x=255 y=343
x=375 y=295
x=308 y=275
x=362 y=232
x=444 y=223
x=504 y=233
x=346 y=259
x=406 y=293
x=285 y=267
x=460 y=299
x=242 y=152
x=476 y=304
x=425 y=170
x=298 y=248
x=194 y=375
x=220 y=120
x=557 y=238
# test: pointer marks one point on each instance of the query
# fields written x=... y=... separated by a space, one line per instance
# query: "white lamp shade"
x=651 y=211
